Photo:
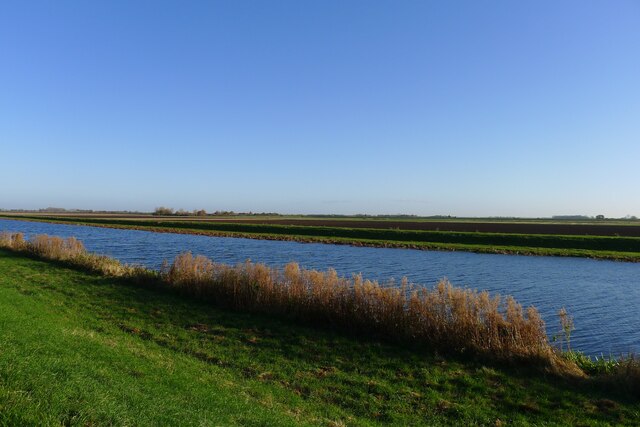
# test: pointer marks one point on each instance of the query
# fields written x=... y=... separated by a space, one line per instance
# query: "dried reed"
x=445 y=317
x=69 y=250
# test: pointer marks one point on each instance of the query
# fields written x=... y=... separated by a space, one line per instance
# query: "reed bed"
x=444 y=318
x=70 y=251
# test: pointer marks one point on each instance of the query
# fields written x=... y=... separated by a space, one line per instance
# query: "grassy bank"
x=87 y=349
x=602 y=247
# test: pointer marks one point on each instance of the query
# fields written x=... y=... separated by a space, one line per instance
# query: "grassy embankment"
x=81 y=348
x=602 y=247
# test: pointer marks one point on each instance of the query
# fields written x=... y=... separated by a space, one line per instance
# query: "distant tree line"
x=65 y=210
x=164 y=211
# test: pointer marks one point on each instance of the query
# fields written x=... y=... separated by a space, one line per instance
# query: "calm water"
x=603 y=296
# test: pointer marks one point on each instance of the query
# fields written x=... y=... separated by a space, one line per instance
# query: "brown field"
x=483 y=227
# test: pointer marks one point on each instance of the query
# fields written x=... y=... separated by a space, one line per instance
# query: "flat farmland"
x=622 y=228
x=573 y=229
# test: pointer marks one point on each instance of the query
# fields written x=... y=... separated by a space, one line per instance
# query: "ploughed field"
x=482 y=227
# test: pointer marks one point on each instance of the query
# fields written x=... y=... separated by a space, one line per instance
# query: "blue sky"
x=461 y=108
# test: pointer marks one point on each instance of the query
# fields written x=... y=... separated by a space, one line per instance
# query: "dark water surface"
x=603 y=296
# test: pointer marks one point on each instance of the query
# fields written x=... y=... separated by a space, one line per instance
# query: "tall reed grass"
x=70 y=251
x=444 y=318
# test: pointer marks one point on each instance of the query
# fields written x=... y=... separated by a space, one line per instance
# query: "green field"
x=83 y=349
x=604 y=247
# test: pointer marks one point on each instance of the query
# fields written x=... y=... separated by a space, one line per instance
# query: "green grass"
x=82 y=349
x=604 y=247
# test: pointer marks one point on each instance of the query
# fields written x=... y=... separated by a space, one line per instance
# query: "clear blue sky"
x=426 y=107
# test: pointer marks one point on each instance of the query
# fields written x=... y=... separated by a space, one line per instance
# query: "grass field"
x=83 y=349
x=622 y=248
